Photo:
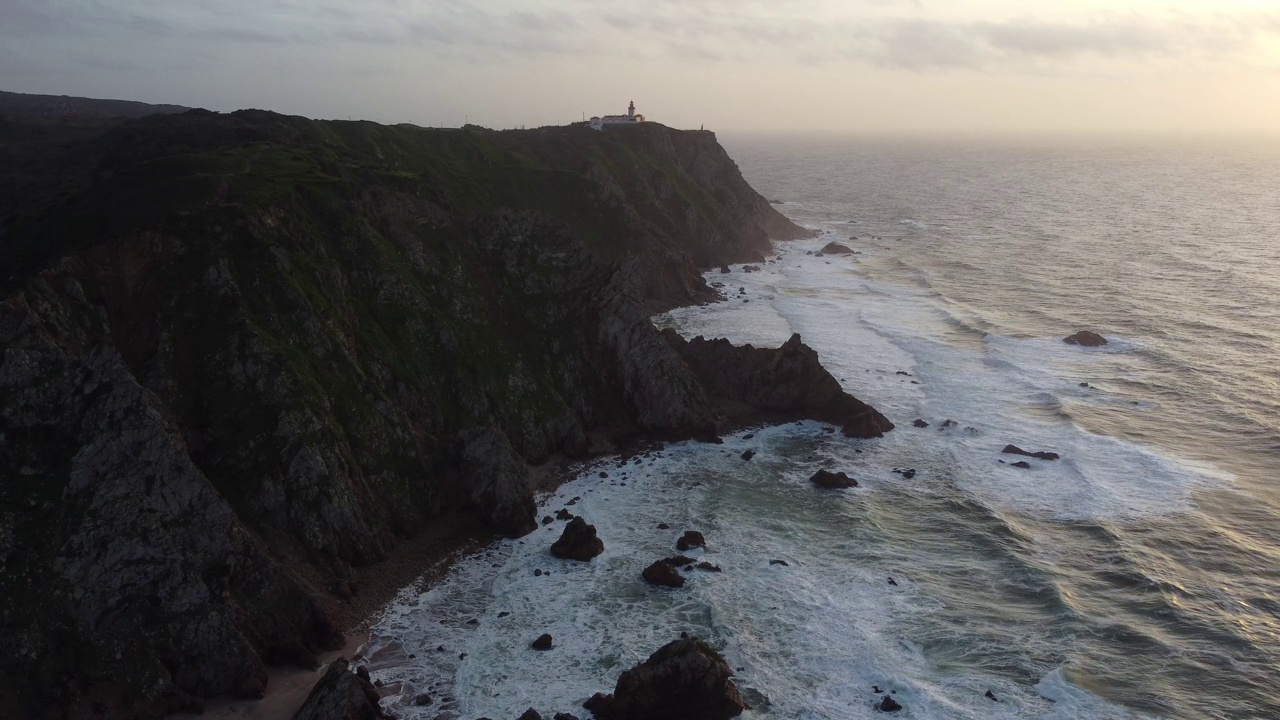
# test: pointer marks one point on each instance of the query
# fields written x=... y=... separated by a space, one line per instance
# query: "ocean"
x=1136 y=577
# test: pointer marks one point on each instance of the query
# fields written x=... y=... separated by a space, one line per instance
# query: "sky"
x=809 y=66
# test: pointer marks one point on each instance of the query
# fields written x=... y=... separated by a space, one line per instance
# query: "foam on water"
x=973 y=609
x=809 y=639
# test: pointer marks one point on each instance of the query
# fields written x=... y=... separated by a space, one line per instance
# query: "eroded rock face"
x=1086 y=338
x=776 y=385
x=578 y=542
x=683 y=680
x=342 y=695
x=498 y=478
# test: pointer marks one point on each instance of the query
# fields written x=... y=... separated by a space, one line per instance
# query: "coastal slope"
x=243 y=356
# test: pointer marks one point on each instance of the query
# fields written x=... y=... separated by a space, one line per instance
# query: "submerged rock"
x=578 y=541
x=664 y=574
x=683 y=680
x=888 y=704
x=833 y=480
x=835 y=248
x=920 y=423
x=1086 y=338
x=1022 y=464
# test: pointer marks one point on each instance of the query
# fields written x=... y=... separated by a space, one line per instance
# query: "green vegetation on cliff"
x=240 y=354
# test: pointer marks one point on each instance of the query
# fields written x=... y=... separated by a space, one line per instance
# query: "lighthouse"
x=631 y=118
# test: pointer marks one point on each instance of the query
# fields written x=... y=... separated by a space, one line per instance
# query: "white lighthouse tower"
x=631 y=118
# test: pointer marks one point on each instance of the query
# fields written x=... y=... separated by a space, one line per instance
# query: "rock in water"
x=888 y=704
x=664 y=574
x=724 y=269
x=834 y=480
x=748 y=454
x=920 y=423
x=578 y=541
x=684 y=680
x=1086 y=338
x=542 y=643
x=342 y=695
x=749 y=385
x=690 y=539
x=1023 y=464
x=531 y=714
x=1015 y=450
x=835 y=248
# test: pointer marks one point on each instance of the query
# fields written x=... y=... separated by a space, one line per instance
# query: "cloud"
x=887 y=34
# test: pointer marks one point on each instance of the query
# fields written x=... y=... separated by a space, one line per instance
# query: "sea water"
x=1137 y=576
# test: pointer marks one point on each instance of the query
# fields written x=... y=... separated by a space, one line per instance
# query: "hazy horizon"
x=873 y=67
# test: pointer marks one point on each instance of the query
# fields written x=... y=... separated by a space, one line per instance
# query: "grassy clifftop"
x=242 y=354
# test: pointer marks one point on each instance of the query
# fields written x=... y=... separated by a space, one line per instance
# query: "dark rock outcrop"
x=543 y=642
x=691 y=539
x=342 y=695
x=530 y=714
x=1042 y=455
x=748 y=454
x=750 y=385
x=833 y=480
x=835 y=248
x=578 y=542
x=1087 y=338
x=920 y=423
x=1022 y=464
x=683 y=680
x=888 y=704
x=664 y=574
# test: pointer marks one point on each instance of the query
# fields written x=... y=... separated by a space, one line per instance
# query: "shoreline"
x=421 y=562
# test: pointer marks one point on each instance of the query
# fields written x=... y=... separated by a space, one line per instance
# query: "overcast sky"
x=734 y=65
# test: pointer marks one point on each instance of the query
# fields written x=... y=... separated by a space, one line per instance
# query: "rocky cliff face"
x=242 y=354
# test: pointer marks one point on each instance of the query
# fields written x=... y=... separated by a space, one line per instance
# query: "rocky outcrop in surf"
x=1087 y=338
x=1039 y=454
x=749 y=385
x=578 y=542
x=832 y=480
x=684 y=679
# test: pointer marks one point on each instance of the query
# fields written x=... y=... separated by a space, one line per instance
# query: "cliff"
x=243 y=356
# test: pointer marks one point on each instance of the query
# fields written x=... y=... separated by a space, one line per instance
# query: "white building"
x=631 y=118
